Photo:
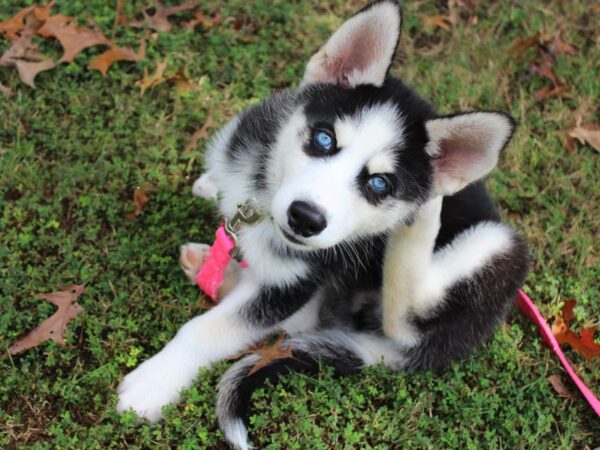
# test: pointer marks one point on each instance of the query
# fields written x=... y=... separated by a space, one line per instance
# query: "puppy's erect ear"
x=465 y=147
x=361 y=50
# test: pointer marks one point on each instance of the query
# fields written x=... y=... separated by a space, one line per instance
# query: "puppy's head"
x=361 y=151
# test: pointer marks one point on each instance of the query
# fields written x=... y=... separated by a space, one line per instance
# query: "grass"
x=73 y=150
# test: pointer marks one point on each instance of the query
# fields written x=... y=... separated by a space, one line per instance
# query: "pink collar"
x=211 y=274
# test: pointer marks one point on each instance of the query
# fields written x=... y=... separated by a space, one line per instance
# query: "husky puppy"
x=378 y=242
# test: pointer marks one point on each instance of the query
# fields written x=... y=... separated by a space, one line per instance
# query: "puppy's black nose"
x=306 y=219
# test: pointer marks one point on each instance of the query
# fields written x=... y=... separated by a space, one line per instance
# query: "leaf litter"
x=54 y=327
x=38 y=21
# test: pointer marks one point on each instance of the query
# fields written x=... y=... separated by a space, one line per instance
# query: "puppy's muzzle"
x=306 y=219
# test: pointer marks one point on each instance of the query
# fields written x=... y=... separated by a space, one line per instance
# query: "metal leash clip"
x=247 y=213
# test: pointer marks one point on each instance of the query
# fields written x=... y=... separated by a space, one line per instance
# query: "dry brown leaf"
x=10 y=28
x=54 y=326
x=439 y=21
x=558 y=45
x=29 y=70
x=521 y=45
x=139 y=201
x=200 y=133
x=560 y=388
x=159 y=21
x=156 y=78
x=5 y=90
x=119 y=17
x=43 y=12
x=546 y=68
x=586 y=134
x=182 y=83
x=548 y=72
x=584 y=344
x=567 y=141
x=23 y=54
x=552 y=91
x=105 y=60
x=204 y=303
x=201 y=19
x=72 y=38
x=453 y=15
x=57 y=20
x=268 y=354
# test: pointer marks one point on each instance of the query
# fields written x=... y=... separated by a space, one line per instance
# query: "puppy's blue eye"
x=324 y=140
x=378 y=184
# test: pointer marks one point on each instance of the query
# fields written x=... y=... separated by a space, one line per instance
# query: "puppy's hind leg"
x=469 y=290
x=407 y=262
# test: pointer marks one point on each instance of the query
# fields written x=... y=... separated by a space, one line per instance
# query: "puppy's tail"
x=345 y=351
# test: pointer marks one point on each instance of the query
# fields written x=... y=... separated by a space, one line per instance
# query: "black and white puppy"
x=378 y=244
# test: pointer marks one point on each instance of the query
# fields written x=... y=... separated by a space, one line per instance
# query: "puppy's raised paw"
x=205 y=187
x=191 y=258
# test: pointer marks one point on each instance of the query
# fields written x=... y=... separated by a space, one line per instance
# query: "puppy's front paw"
x=154 y=384
x=205 y=187
x=191 y=258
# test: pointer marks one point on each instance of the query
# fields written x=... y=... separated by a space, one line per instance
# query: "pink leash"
x=529 y=309
x=211 y=274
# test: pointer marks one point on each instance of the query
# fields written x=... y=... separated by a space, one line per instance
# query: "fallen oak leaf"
x=568 y=308
x=548 y=72
x=204 y=303
x=43 y=12
x=119 y=17
x=10 y=28
x=552 y=91
x=5 y=90
x=586 y=134
x=201 y=19
x=453 y=14
x=560 y=388
x=439 y=21
x=23 y=51
x=72 y=38
x=546 y=68
x=103 y=61
x=53 y=327
x=159 y=21
x=56 y=20
x=268 y=354
x=583 y=344
x=139 y=201
x=558 y=45
x=29 y=70
x=200 y=133
x=182 y=83
x=522 y=45
x=155 y=79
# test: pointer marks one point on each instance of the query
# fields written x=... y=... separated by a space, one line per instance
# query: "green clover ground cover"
x=73 y=150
